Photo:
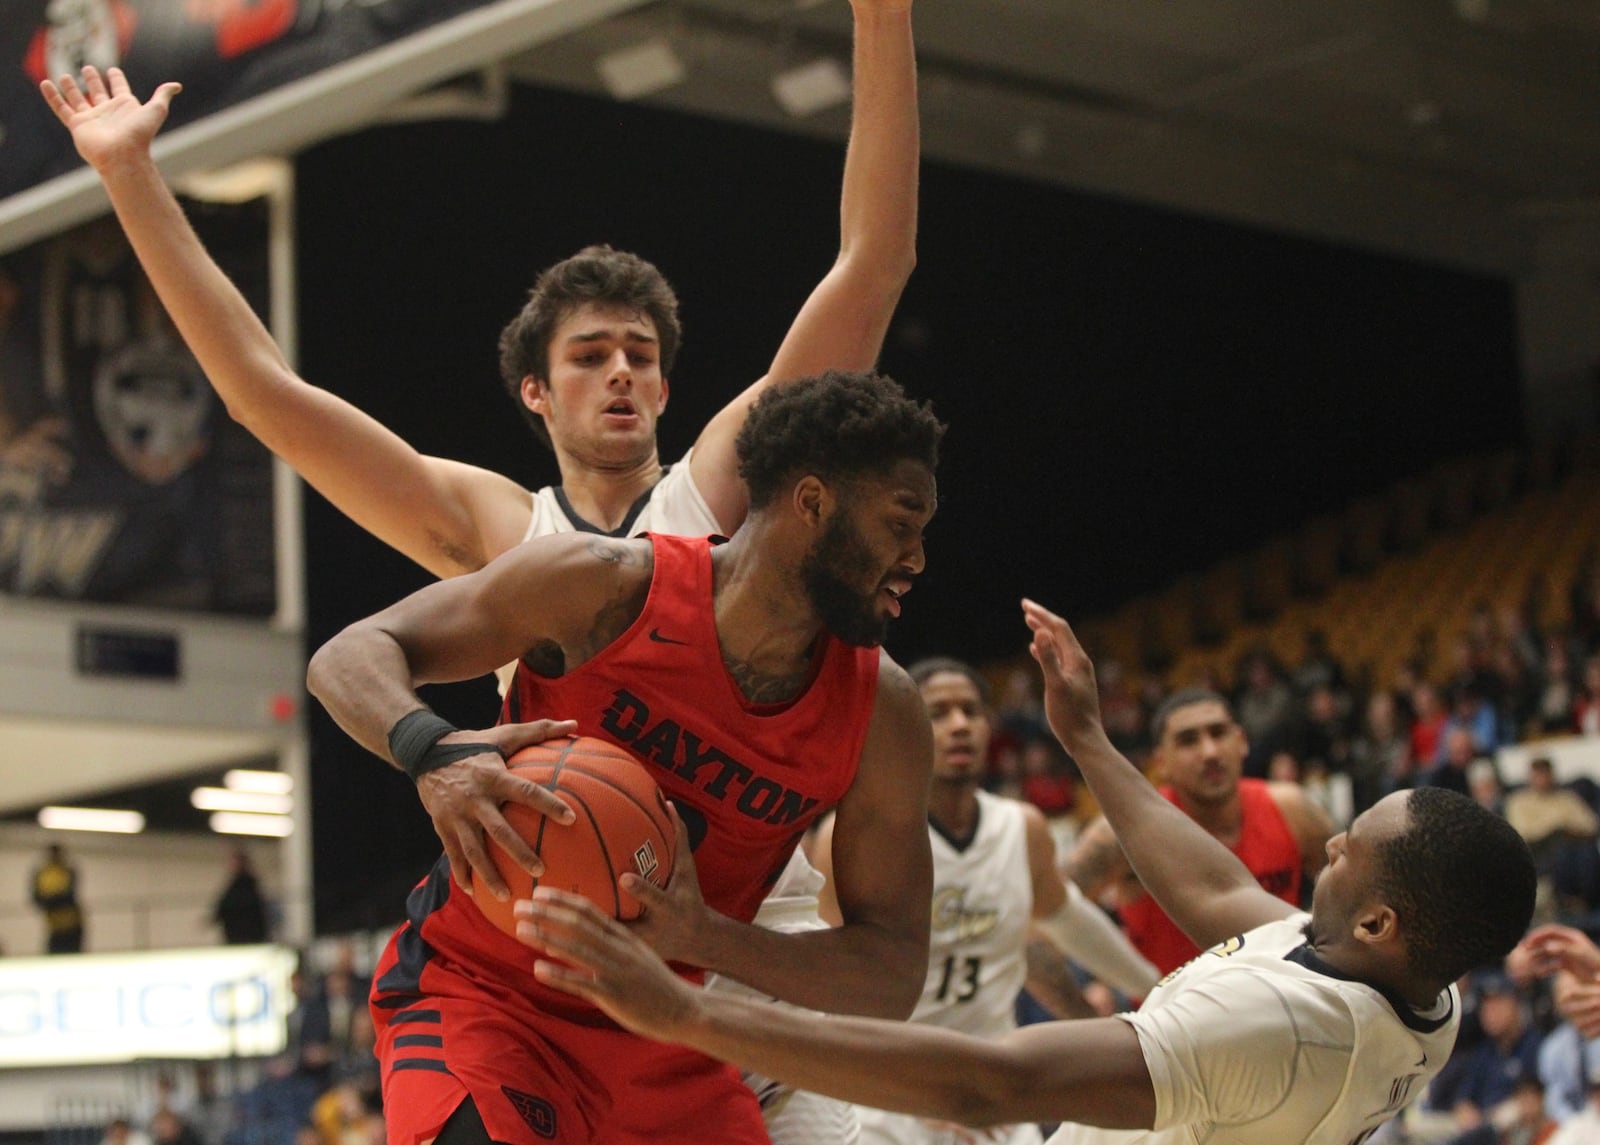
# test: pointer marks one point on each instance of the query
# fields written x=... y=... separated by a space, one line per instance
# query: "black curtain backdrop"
x=1131 y=393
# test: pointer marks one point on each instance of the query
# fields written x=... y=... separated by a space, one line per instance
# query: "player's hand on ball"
x=673 y=916
x=604 y=963
x=464 y=801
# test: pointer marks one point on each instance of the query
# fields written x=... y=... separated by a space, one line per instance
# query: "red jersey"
x=1266 y=846
x=456 y=1008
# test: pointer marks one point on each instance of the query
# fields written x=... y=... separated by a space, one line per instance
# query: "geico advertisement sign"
x=86 y=1008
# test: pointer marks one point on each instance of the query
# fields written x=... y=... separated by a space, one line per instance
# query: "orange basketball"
x=622 y=825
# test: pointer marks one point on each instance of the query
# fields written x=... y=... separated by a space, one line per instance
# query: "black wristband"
x=414 y=744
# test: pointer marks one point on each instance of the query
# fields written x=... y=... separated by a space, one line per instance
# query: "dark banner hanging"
x=222 y=51
x=122 y=478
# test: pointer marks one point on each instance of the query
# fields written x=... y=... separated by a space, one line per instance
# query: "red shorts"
x=542 y=1069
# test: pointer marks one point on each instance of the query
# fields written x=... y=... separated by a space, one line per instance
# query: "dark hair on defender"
x=836 y=425
x=923 y=670
x=597 y=274
x=1183 y=698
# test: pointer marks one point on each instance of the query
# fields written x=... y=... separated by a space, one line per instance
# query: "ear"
x=813 y=501
x=536 y=395
x=662 y=404
x=1377 y=925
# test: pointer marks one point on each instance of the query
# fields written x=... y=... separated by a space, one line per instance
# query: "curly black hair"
x=1460 y=879
x=598 y=274
x=836 y=425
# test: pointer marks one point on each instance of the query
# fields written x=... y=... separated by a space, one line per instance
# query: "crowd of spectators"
x=1526 y=1070
x=322 y=1090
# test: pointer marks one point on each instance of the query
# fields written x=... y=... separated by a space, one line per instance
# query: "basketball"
x=622 y=825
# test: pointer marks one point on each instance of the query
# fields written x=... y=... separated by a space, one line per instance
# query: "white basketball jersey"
x=982 y=904
x=672 y=506
x=1257 y=1042
x=977 y=958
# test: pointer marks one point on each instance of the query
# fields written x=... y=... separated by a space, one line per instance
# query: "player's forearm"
x=878 y=204
x=229 y=340
x=851 y=969
x=362 y=678
x=1089 y=1071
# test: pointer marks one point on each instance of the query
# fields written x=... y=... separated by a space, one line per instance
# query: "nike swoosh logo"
x=655 y=634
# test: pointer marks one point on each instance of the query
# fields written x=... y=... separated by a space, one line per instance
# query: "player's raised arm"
x=448 y=517
x=1202 y=885
x=842 y=324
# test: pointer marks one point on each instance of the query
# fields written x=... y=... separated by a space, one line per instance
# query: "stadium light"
x=252 y=802
x=242 y=823
x=91 y=819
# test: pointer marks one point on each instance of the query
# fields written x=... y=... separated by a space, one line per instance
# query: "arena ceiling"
x=1446 y=129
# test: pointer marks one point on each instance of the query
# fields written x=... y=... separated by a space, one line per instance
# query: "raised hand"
x=1071 y=697
x=464 y=801
x=106 y=119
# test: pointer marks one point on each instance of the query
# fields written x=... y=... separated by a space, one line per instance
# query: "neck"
x=953 y=806
x=766 y=625
x=603 y=493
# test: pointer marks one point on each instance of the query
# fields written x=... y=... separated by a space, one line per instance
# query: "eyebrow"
x=629 y=335
x=909 y=500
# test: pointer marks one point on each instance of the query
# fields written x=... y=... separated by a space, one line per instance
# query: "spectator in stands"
x=1586 y=706
x=1567 y=1060
x=1478 y=1081
x=1120 y=710
x=1265 y=708
x=1529 y=1123
x=54 y=889
x=1459 y=753
x=1548 y=815
x=211 y=1111
x=1325 y=733
x=241 y=909
x=1047 y=780
x=1558 y=688
x=310 y=1028
x=1318 y=668
x=273 y=1110
x=1427 y=729
x=122 y=1132
x=169 y=1128
x=344 y=994
x=1380 y=753
x=1483 y=785
x=1472 y=713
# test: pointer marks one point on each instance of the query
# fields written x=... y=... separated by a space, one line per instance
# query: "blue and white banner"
x=82 y=1009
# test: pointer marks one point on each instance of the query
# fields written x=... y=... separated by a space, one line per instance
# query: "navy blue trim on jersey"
x=412 y=953
x=621 y=531
x=433 y=1064
x=1305 y=956
x=960 y=845
x=420 y=1040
